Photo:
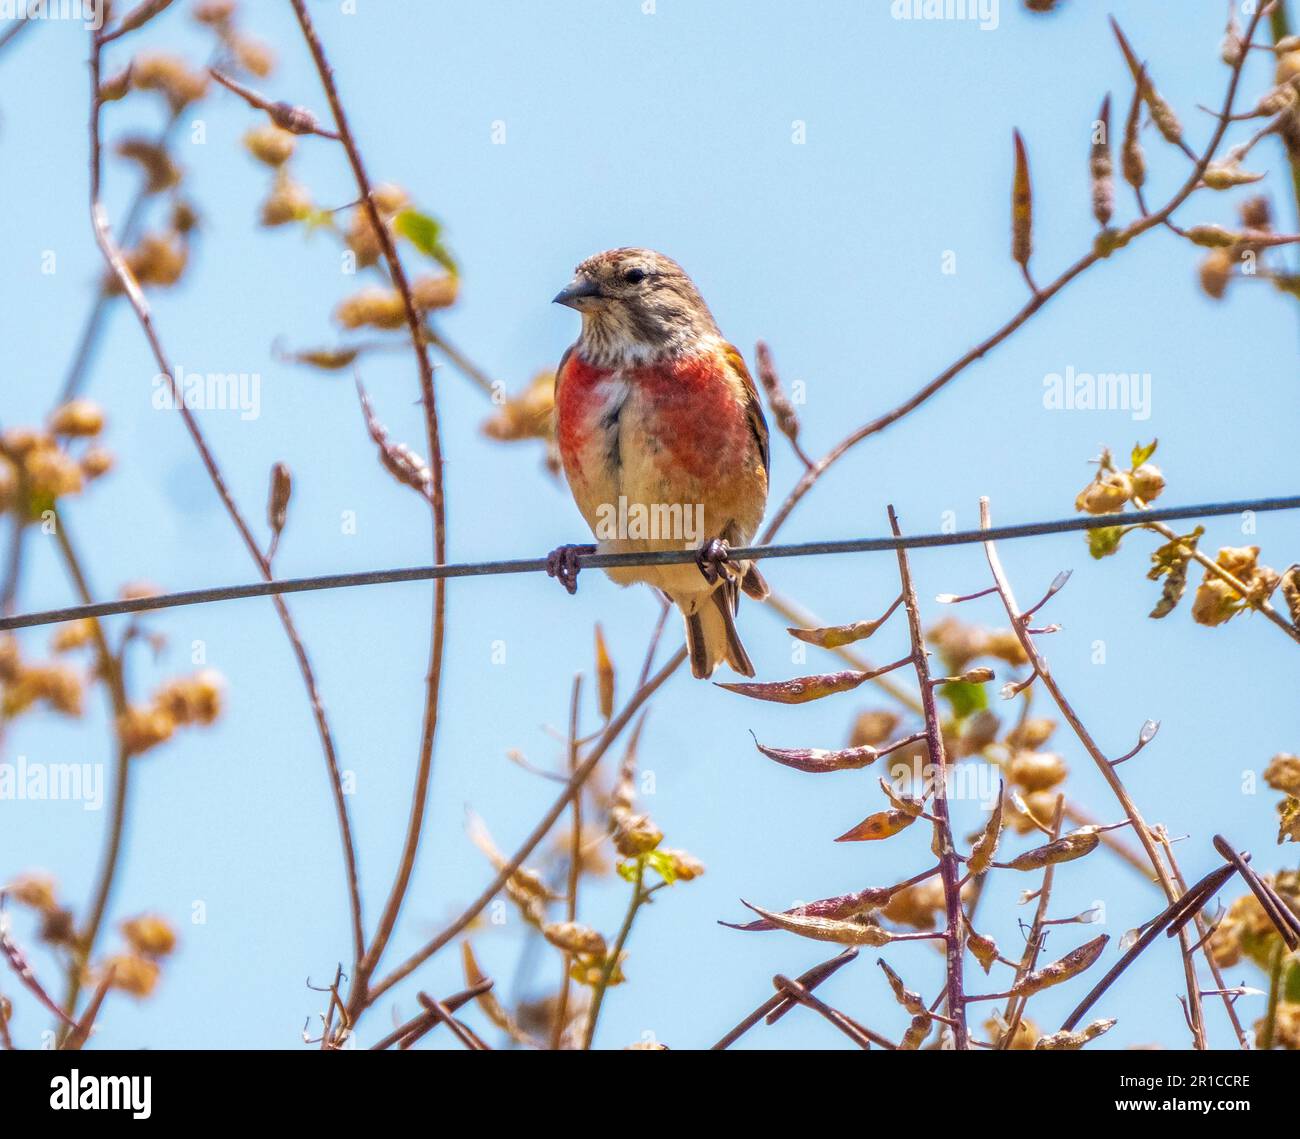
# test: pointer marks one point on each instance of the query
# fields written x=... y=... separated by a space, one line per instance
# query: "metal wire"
x=662 y=558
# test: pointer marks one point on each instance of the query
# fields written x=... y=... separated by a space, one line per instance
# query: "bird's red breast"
x=689 y=410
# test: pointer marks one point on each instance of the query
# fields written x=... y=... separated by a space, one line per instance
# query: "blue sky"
x=671 y=130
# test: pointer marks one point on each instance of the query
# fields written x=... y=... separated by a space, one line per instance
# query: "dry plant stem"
x=1198 y=897
x=78 y=1036
x=1211 y=566
x=575 y=867
x=540 y=831
x=639 y=897
x=111 y=669
x=408 y=1033
x=1036 y=302
x=783 y=1001
x=1281 y=28
x=1014 y=1011
x=846 y=1024
x=1116 y=784
x=260 y=102
x=460 y=1031
x=359 y=998
x=112 y=254
x=1203 y=930
x=949 y=866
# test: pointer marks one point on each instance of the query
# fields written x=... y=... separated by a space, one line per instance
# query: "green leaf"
x=1104 y=540
x=1290 y=986
x=1142 y=454
x=965 y=699
x=425 y=233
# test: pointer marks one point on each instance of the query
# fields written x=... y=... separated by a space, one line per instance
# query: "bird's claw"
x=712 y=556
x=562 y=563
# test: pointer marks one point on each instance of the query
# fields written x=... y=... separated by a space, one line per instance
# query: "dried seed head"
x=1071 y=1041
x=141 y=728
x=161 y=173
x=1101 y=168
x=277 y=501
x=73 y=635
x=1215 y=272
x=984 y=949
x=1256 y=213
x=1106 y=494
x=150 y=935
x=986 y=846
x=434 y=292
x=873 y=727
x=685 y=867
x=1071 y=965
x=170 y=76
x=1283 y=774
x=254 y=56
x=132 y=973
x=604 y=676
x=287 y=202
x=268 y=143
x=1067 y=848
x=1148 y=482
x=1031 y=734
x=79 y=417
x=36 y=891
x=1027 y=1034
x=633 y=834
x=574 y=938
x=1291 y=593
x=1226 y=175
x=1022 y=207
x=372 y=307
x=1037 y=770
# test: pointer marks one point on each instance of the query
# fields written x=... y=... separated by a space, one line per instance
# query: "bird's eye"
x=635 y=276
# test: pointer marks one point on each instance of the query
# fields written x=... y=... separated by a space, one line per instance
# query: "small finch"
x=663 y=443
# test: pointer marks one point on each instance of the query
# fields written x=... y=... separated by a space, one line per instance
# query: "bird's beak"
x=581 y=288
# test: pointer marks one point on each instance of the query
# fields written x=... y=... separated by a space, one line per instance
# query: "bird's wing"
x=753 y=405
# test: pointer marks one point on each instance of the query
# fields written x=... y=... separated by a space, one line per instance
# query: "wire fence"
x=660 y=558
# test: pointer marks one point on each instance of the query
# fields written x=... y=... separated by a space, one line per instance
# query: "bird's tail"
x=711 y=636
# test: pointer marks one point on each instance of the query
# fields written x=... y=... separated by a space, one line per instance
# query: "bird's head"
x=637 y=305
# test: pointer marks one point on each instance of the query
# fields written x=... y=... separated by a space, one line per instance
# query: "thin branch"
x=113 y=256
x=949 y=866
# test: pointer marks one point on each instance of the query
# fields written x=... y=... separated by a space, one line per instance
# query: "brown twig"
x=1116 y=784
x=575 y=867
x=540 y=831
x=949 y=866
x=360 y=996
x=1036 y=302
x=113 y=256
x=782 y=1000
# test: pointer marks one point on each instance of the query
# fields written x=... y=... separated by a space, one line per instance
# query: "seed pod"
x=1132 y=160
x=916 y=1033
x=1071 y=965
x=604 y=677
x=883 y=824
x=984 y=949
x=398 y=459
x=1162 y=114
x=1037 y=770
x=1072 y=1041
x=782 y=410
x=840 y=907
x=1102 y=168
x=981 y=675
x=1212 y=236
x=327 y=359
x=910 y=1000
x=277 y=504
x=1215 y=272
x=801 y=689
x=1291 y=593
x=575 y=938
x=1226 y=175
x=816 y=760
x=827 y=929
x=986 y=846
x=835 y=636
x=1022 y=208
x=1065 y=849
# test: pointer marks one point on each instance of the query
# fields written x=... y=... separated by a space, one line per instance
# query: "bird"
x=663 y=442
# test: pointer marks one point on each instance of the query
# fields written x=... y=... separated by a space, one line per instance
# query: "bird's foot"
x=562 y=563
x=711 y=559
